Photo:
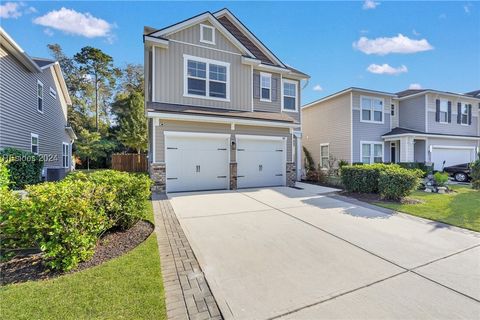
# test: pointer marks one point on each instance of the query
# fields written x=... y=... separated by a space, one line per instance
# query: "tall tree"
x=91 y=146
x=96 y=67
x=132 y=79
x=132 y=123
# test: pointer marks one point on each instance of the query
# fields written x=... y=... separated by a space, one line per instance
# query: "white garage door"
x=260 y=161
x=451 y=156
x=196 y=161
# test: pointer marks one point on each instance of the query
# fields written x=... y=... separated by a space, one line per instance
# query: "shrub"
x=417 y=165
x=25 y=167
x=362 y=178
x=309 y=163
x=123 y=197
x=4 y=175
x=441 y=178
x=396 y=183
x=475 y=174
x=66 y=220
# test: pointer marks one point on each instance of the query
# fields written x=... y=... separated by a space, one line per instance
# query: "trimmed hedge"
x=25 y=167
x=475 y=174
x=362 y=178
x=65 y=219
x=396 y=183
x=4 y=175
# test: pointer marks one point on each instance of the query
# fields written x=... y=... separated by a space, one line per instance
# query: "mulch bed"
x=111 y=245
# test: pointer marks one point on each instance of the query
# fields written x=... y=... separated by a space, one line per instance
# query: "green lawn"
x=461 y=209
x=128 y=287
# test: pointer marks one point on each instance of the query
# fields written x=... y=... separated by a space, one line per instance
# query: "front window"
x=65 y=154
x=265 y=86
x=289 y=95
x=444 y=111
x=464 y=114
x=372 y=109
x=39 y=96
x=372 y=152
x=324 y=156
x=207 y=78
x=34 y=143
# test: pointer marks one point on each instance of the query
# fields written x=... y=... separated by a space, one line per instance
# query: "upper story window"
x=53 y=93
x=34 y=143
x=206 y=78
x=39 y=96
x=289 y=95
x=443 y=111
x=372 y=109
x=464 y=113
x=265 y=86
x=207 y=34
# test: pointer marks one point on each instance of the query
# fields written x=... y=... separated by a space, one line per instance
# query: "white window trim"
x=463 y=104
x=296 y=94
x=372 y=110
x=372 y=150
x=328 y=154
x=53 y=93
x=440 y=110
x=267 y=75
x=203 y=26
x=43 y=102
x=187 y=57
x=34 y=135
x=67 y=164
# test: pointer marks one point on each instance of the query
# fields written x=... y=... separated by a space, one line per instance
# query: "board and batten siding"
x=366 y=131
x=453 y=127
x=204 y=127
x=328 y=122
x=412 y=113
x=18 y=110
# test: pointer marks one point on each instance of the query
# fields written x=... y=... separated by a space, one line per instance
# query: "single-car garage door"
x=196 y=161
x=260 y=161
x=451 y=156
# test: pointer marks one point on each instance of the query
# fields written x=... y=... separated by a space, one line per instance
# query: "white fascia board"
x=421 y=136
x=152 y=41
x=18 y=52
x=213 y=119
x=63 y=85
x=462 y=96
x=196 y=134
x=265 y=67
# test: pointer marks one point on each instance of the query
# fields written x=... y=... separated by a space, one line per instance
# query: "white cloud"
x=76 y=23
x=386 y=69
x=317 y=88
x=370 y=4
x=31 y=10
x=398 y=44
x=364 y=31
x=415 y=32
x=467 y=8
x=415 y=86
x=48 y=32
x=11 y=10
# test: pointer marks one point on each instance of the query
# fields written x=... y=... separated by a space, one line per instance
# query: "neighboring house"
x=223 y=110
x=33 y=106
x=360 y=125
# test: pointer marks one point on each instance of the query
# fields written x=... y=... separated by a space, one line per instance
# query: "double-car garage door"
x=452 y=156
x=201 y=161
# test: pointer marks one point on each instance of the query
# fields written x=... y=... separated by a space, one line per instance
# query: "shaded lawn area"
x=461 y=208
x=128 y=287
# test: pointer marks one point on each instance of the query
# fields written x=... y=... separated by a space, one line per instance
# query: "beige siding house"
x=361 y=125
x=224 y=111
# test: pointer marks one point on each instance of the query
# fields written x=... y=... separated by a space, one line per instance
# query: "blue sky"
x=439 y=44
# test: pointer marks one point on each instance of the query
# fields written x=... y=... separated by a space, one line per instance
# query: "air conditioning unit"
x=56 y=174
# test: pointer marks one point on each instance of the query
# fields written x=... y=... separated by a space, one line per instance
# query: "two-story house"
x=223 y=110
x=33 y=106
x=361 y=125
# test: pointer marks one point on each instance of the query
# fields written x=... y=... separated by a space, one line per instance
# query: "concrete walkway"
x=304 y=254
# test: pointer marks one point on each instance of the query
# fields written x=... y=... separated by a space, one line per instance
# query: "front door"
x=393 y=152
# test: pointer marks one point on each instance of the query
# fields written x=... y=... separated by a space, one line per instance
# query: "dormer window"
x=207 y=34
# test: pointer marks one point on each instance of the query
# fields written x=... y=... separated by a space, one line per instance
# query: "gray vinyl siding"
x=273 y=106
x=453 y=127
x=18 y=110
x=412 y=113
x=419 y=151
x=328 y=122
x=202 y=127
x=363 y=131
x=169 y=77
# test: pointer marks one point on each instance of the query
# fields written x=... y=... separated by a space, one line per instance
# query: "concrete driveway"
x=305 y=254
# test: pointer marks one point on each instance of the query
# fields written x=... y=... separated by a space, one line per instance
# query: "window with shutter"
x=443 y=111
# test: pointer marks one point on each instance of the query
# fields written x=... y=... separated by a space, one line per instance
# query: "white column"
x=299 y=158
x=406 y=149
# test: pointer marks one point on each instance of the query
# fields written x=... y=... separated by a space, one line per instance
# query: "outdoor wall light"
x=234 y=145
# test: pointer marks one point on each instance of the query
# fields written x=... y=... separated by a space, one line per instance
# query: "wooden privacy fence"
x=129 y=162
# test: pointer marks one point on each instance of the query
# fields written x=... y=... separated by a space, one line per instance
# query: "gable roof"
x=409 y=92
x=42 y=62
x=413 y=92
x=475 y=93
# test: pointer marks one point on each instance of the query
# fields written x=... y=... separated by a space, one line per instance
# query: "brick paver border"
x=187 y=293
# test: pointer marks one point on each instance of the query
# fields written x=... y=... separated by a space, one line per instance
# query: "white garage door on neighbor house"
x=261 y=161
x=451 y=156
x=196 y=161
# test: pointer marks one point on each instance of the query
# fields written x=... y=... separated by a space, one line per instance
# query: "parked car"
x=460 y=172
